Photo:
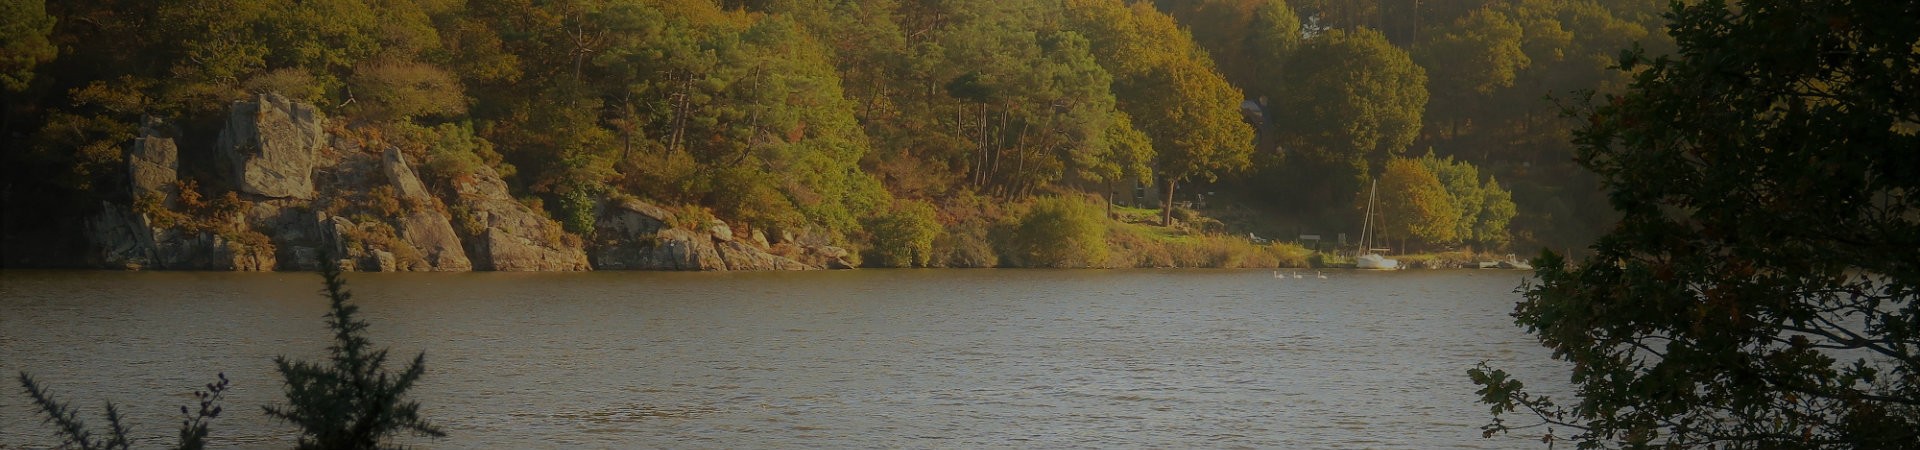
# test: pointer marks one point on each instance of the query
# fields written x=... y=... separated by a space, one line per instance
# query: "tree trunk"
x=1166 y=208
x=1109 y=196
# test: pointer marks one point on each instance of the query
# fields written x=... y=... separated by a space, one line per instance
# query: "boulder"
x=741 y=256
x=827 y=256
x=513 y=236
x=423 y=228
x=631 y=234
x=616 y=219
x=154 y=163
x=269 y=146
x=635 y=235
x=383 y=261
x=334 y=232
x=209 y=251
x=122 y=238
x=304 y=259
x=670 y=249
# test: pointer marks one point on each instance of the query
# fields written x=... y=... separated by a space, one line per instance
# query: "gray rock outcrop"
x=127 y=239
x=306 y=192
x=635 y=235
x=125 y=236
x=154 y=163
x=424 y=228
x=512 y=237
x=741 y=256
x=269 y=145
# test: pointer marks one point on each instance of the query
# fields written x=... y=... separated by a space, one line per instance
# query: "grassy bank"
x=1075 y=232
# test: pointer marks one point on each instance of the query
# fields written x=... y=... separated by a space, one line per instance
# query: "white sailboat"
x=1366 y=257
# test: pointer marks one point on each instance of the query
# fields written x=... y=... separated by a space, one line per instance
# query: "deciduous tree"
x=1414 y=204
x=1169 y=87
x=1760 y=290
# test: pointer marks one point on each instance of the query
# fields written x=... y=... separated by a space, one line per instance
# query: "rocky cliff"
x=290 y=187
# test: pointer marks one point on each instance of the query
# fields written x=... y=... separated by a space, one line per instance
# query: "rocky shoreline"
x=302 y=187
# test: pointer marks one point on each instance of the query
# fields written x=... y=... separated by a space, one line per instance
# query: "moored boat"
x=1368 y=257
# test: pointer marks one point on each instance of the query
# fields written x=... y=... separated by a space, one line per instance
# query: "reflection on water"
x=860 y=359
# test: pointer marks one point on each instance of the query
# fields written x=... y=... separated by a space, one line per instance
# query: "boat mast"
x=1367 y=223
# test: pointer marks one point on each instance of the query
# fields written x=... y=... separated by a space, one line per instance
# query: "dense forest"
x=944 y=133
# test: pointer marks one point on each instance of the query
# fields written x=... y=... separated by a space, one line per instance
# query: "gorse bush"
x=72 y=430
x=349 y=402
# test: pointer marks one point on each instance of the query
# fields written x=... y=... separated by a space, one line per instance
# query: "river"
x=845 y=359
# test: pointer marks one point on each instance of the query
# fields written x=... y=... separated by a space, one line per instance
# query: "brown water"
x=856 y=359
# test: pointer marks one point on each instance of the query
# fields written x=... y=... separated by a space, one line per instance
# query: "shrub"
x=576 y=211
x=449 y=151
x=903 y=237
x=386 y=201
x=965 y=244
x=351 y=401
x=1133 y=248
x=392 y=89
x=1058 y=232
x=293 y=83
x=749 y=197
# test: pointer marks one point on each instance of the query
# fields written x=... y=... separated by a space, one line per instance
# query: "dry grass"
x=1137 y=245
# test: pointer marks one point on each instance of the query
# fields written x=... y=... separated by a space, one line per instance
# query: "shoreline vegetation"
x=789 y=135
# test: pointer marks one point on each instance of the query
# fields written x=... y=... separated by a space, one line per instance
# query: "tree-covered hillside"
x=879 y=125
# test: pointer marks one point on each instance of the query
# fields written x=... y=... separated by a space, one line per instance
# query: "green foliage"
x=294 y=84
x=451 y=151
x=1250 y=39
x=1057 y=232
x=67 y=424
x=350 y=401
x=967 y=244
x=1760 y=289
x=1126 y=156
x=1415 y=204
x=1154 y=247
x=74 y=432
x=1496 y=211
x=389 y=89
x=819 y=113
x=1169 y=87
x=1352 y=96
x=194 y=428
x=576 y=212
x=903 y=237
x=1483 y=207
x=1471 y=58
x=24 y=27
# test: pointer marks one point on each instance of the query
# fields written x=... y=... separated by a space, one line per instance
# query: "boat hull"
x=1376 y=262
